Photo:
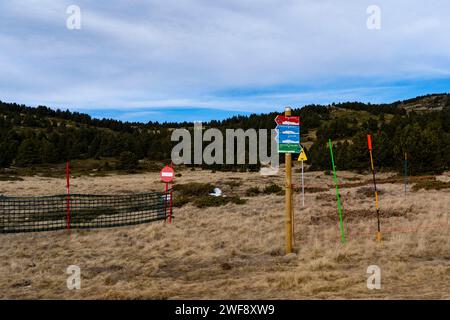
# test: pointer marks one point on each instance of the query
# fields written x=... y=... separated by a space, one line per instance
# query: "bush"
x=232 y=184
x=189 y=192
x=179 y=201
x=431 y=185
x=194 y=189
x=368 y=192
x=253 y=191
x=212 y=201
x=128 y=161
x=272 y=188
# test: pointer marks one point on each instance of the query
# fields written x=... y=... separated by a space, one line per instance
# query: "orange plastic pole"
x=369 y=145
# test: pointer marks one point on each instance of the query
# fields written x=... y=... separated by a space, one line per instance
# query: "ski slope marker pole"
x=338 y=196
x=369 y=145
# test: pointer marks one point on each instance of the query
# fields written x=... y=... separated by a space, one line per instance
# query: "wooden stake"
x=288 y=197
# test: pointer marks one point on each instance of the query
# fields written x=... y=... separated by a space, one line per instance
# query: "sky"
x=197 y=60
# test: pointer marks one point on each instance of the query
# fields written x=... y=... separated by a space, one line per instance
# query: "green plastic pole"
x=338 y=197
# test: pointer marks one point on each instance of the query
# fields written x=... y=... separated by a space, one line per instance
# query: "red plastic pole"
x=171 y=204
x=171 y=197
x=68 y=194
x=165 y=202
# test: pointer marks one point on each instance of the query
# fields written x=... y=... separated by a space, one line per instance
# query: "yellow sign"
x=302 y=156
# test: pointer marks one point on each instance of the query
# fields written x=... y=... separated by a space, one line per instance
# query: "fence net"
x=80 y=211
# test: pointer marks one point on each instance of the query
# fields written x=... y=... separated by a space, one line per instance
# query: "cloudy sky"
x=182 y=60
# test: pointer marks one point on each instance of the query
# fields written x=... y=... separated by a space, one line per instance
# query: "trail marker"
x=302 y=157
x=369 y=145
x=288 y=134
x=338 y=196
x=287 y=120
x=167 y=174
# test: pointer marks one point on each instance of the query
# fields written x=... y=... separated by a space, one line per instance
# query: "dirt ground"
x=237 y=251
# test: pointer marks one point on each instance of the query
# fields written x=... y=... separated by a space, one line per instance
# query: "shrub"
x=431 y=185
x=232 y=184
x=272 y=188
x=212 y=201
x=194 y=189
x=128 y=161
x=253 y=191
x=185 y=193
x=179 y=200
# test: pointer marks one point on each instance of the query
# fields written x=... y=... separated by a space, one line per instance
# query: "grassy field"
x=236 y=250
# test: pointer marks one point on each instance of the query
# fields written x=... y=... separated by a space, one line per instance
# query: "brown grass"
x=236 y=251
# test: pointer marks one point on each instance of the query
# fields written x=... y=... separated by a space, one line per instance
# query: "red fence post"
x=165 y=202
x=171 y=203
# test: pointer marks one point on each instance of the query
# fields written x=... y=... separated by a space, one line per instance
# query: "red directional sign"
x=167 y=174
x=288 y=121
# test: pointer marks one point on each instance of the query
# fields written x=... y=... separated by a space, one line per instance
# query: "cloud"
x=229 y=55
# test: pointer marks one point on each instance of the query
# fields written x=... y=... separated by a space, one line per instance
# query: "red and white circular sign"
x=167 y=174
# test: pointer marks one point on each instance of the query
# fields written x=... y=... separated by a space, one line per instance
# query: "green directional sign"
x=289 y=148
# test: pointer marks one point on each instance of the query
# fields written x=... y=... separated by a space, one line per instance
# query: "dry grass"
x=236 y=251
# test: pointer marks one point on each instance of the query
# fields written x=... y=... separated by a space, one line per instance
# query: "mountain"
x=39 y=136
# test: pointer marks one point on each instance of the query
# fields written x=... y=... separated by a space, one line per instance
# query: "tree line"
x=41 y=135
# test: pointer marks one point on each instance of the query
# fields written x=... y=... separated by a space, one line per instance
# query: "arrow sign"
x=288 y=134
x=284 y=129
x=289 y=139
x=289 y=121
x=288 y=148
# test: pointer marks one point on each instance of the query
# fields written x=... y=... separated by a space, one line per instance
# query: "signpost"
x=302 y=157
x=288 y=138
x=167 y=174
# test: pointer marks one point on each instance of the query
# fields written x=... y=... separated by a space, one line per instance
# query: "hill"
x=36 y=137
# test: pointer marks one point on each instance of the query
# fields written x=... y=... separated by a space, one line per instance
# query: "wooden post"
x=288 y=197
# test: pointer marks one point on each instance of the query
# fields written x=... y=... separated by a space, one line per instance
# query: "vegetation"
x=212 y=201
x=252 y=191
x=185 y=193
x=128 y=161
x=198 y=194
x=431 y=185
x=272 y=188
x=419 y=127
